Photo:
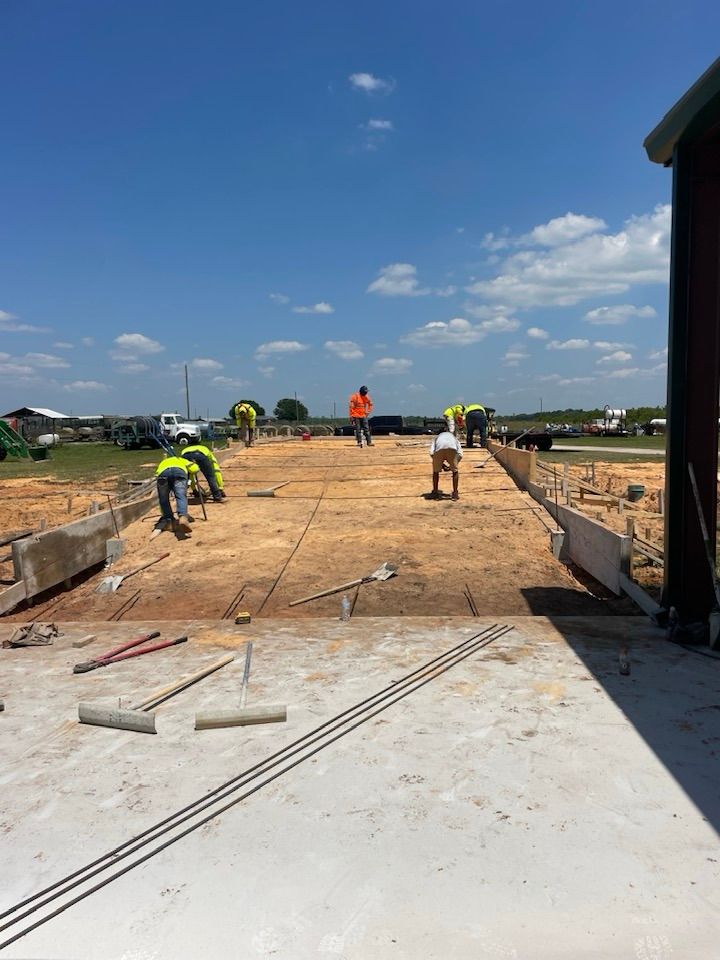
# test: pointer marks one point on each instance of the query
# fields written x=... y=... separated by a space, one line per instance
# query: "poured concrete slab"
x=530 y=803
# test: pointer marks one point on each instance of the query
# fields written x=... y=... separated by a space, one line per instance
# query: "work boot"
x=184 y=524
x=456 y=495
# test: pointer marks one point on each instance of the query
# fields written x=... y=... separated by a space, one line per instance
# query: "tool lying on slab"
x=124 y=652
x=511 y=444
x=139 y=717
x=268 y=491
x=384 y=572
x=110 y=584
x=274 y=713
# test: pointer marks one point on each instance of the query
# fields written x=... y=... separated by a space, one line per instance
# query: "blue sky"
x=448 y=202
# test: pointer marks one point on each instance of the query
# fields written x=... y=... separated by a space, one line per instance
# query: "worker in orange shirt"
x=360 y=409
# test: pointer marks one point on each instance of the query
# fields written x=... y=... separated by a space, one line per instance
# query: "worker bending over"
x=245 y=416
x=360 y=408
x=476 y=419
x=454 y=419
x=172 y=475
x=209 y=467
x=446 y=454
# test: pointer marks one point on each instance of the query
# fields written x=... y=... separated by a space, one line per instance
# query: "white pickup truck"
x=179 y=430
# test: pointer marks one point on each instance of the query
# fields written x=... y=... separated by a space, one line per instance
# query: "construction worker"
x=209 y=467
x=172 y=475
x=245 y=416
x=454 y=418
x=476 y=419
x=446 y=454
x=360 y=408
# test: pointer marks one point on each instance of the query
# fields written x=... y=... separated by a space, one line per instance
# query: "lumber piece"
x=268 y=491
x=7 y=538
x=99 y=716
x=210 y=720
x=10 y=598
x=84 y=641
x=639 y=596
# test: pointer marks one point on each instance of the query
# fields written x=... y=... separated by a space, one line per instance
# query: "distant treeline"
x=572 y=415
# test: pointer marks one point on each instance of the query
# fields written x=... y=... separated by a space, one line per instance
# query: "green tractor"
x=13 y=444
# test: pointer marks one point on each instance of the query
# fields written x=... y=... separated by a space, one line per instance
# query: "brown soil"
x=344 y=513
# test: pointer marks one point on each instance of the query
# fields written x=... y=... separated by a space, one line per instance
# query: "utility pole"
x=297 y=409
x=334 y=414
x=187 y=392
x=540 y=404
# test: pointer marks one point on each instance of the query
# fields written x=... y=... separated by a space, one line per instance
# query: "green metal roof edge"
x=660 y=143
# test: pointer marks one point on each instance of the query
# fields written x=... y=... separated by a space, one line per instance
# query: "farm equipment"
x=11 y=443
x=132 y=433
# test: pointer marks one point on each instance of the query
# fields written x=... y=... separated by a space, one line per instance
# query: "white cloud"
x=500 y=325
x=597 y=264
x=571 y=381
x=618 y=314
x=230 y=383
x=416 y=388
x=659 y=354
x=280 y=298
x=87 y=341
x=344 y=349
x=17 y=370
x=392 y=365
x=440 y=333
x=384 y=125
x=371 y=84
x=137 y=343
x=321 y=307
x=133 y=368
x=574 y=344
x=205 y=363
x=266 y=371
x=63 y=345
x=278 y=347
x=537 y=333
x=619 y=356
x=398 y=280
x=516 y=353
x=608 y=346
x=624 y=373
x=9 y=324
x=86 y=385
x=45 y=360
x=562 y=230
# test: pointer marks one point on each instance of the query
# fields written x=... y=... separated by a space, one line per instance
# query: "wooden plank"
x=639 y=596
x=239 y=718
x=84 y=641
x=7 y=538
x=46 y=559
x=10 y=598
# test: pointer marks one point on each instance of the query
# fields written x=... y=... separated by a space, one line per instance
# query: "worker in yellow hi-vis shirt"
x=172 y=475
x=209 y=467
x=245 y=417
x=454 y=418
x=476 y=419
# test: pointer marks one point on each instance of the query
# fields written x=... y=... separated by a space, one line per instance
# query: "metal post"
x=693 y=376
x=297 y=409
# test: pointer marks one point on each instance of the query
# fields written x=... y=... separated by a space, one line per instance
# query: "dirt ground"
x=344 y=513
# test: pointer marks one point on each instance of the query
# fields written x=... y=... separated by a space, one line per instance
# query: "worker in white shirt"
x=446 y=454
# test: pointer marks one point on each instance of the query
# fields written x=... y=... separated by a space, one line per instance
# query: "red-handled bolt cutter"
x=119 y=653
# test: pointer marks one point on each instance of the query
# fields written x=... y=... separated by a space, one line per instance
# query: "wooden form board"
x=600 y=551
x=520 y=464
x=46 y=559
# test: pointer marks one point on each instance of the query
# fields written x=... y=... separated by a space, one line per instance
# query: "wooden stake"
x=630 y=531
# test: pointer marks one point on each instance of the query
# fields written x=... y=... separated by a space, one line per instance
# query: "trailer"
x=133 y=433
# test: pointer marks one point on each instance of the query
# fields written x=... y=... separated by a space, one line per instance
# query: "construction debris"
x=33 y=635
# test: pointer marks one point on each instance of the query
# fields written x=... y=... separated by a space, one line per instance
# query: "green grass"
x=87 y=463
x=562 y=456
x=646 y=443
